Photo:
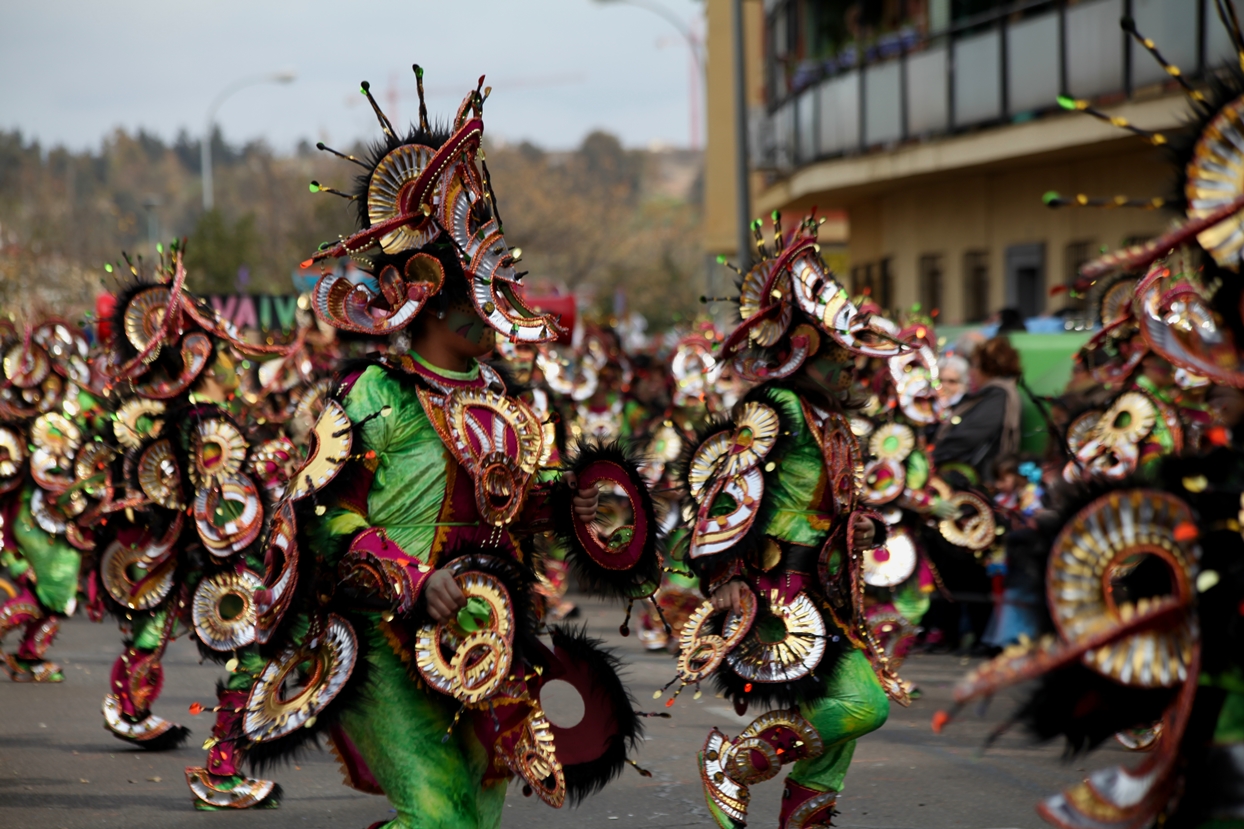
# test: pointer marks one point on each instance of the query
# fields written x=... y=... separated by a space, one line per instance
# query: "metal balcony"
x=1006 y=66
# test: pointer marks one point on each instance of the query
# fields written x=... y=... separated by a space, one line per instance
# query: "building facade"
x=931 y=130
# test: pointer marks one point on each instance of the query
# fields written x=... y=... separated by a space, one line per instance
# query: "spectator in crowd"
x=984 y=425
x=952 y=371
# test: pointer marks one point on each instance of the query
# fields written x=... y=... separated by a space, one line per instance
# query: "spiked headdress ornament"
x=772 y=340
x=425 y=189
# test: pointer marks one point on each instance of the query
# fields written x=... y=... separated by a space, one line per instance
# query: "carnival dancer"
x=1144 y=582
x=47 y=418
x=776 y=540
x=178 y=534
x=396 y=610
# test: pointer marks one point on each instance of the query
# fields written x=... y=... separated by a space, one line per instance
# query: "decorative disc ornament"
x=892 y=563
x=144 y=318
x=469 y=656
x=1089 y=592
x=762 y=289
x=91 y=469
x=12 y=458
x=354 y=307
x=159 y=476
x=1215 y=177
x=218 y=452
x=892 y=442
x=1178 y=321
x=138 y=420
x=1116 y=301
x=972 y=526
x=884 y=481
x=223 y=610
x=1082 y=430
x=785 y=642
x=330 y=449
x=295 y=687
x=394 y=176
x=499 y=441
x=26 y=367
x=700 y=650
x=725 y=479
x=137 y=578
x=276 y=594
x=1129 y=420
x=229 y=516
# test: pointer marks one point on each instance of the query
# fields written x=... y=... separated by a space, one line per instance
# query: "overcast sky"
x=71 y=71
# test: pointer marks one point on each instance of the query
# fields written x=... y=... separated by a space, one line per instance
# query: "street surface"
x=59 y=768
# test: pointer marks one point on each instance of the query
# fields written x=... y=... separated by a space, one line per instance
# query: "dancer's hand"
x=730 y=595
x=443 y=596
x=864 y=532
x=586 y=501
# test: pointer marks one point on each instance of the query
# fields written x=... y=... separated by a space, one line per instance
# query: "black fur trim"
x=1086 y=708
x=273 y=800
x=586 y=779
x=622 y=584
x=169 y=740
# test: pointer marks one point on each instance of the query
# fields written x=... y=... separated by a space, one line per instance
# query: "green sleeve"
x=411 y=473
x=795 y=487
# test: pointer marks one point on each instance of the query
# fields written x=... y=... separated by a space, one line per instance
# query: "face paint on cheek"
x=468 y=325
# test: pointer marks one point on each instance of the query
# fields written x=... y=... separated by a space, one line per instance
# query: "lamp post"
x=210 y=129
x=741 y=174
x=693 y=45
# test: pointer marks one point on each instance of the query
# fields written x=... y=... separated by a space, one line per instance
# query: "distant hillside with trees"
x=599 y=220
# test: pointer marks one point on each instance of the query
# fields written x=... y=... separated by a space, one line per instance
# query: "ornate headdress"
x=789 y=300
x=1190 y=316
x=430 y=188
x=154 y=319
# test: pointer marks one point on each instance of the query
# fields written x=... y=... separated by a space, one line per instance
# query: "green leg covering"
x=856 y=705
x=149 y=630
x=398 y=729
x=54 y=562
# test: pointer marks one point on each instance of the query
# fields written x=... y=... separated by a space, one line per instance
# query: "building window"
x=862 y=280
x=931 y=283
x=884 y=289
x=1077 y=254
x=975 y=286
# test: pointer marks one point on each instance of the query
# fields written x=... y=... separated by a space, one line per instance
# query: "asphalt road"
x=59 y=768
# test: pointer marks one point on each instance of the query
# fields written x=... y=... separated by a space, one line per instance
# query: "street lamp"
x=206 y=148
x=674 y=20
x=693 y=44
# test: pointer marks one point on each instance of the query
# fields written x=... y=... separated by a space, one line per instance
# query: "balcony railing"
x=997 y=68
